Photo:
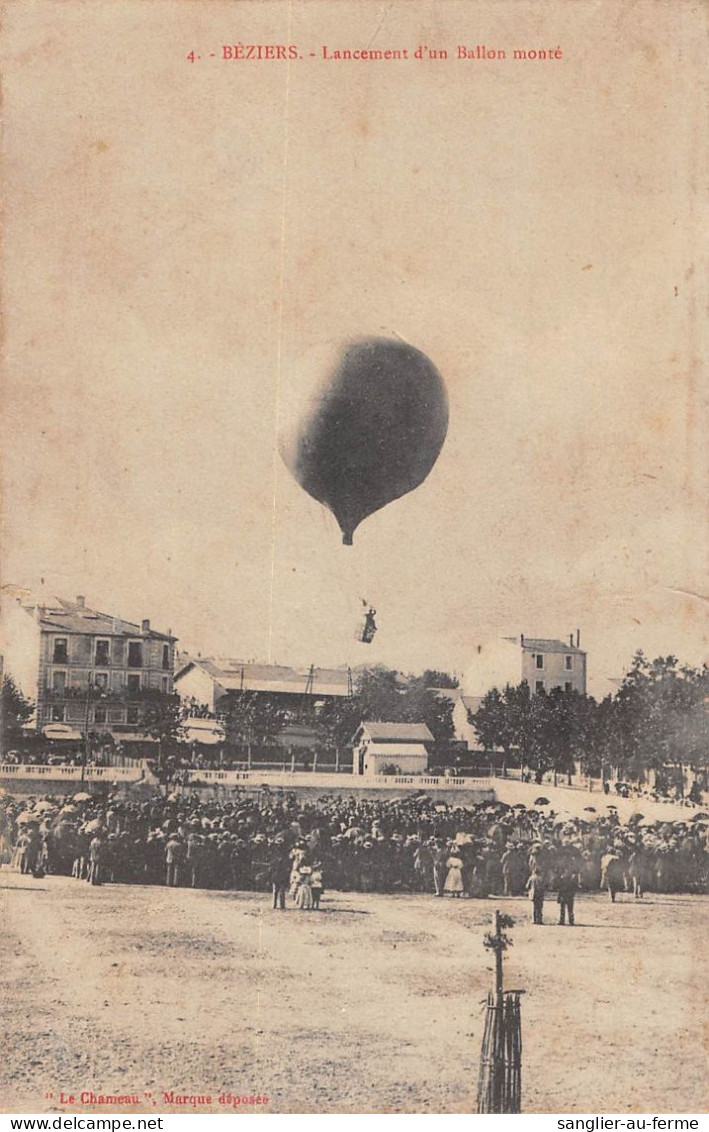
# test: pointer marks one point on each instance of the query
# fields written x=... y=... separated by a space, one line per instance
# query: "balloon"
x=373 y=431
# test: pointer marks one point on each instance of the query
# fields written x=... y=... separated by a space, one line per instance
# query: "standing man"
x=174 y=856
x=567 y=889
x=280 y=877
x=440 y=856
x=536 y=889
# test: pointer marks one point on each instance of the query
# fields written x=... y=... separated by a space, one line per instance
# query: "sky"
x=186 y=243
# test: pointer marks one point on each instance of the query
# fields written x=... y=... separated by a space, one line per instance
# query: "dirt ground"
x=372 y=1005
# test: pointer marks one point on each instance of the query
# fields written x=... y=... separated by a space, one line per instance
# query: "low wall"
x=24 y=780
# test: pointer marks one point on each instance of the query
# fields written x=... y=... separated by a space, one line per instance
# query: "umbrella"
x=93 y=826
x=541 y=802
x=23 y=819
x=83 y=797
x=699 y=817
x=519 y=806
x=68 y=809
x=635 y=817
x=42 y=807
x=610 y=806
x=589 y=809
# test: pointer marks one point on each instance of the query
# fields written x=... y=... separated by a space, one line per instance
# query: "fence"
x=227 y=778
x=71 y=773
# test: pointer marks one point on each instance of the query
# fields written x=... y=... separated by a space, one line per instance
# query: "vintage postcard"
x=355 y=728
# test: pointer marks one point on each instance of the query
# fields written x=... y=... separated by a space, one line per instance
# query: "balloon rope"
x=281 y=280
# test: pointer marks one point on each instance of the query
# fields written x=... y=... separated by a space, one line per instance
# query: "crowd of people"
x=414 y=844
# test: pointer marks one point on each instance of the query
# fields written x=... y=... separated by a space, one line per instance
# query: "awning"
x=62 y=731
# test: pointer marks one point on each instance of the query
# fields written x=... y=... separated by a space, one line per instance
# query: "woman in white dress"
x=454 y=877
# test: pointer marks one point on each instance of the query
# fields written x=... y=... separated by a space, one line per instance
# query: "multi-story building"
x=545 y=663
x=549 y=663
x=82 y=667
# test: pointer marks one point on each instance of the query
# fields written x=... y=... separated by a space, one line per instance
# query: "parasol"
x=83 y=797
x=541 y=802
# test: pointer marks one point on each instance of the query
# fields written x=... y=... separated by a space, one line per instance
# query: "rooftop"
x=56 y=614
x=243 y=676
x=395 y=732
x=545 y=644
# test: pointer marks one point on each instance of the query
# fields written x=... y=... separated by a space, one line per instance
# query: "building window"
x=99 y=715
x=101 y=680
x=60 y=651
x=132 y=715
x=539 y=686
x=165 y=684
x=568 y=686
x=57 y=714
x=166 y=656
x=135 y=654
x=568 y=663
x=59 y=682
x=133 y=682
x=540 y=660
x=102 y=648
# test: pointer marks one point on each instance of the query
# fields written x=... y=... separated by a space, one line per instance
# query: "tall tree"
x=15 y=711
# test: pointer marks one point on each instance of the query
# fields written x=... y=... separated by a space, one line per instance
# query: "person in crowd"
x=304 y=895
x=454 y=877
x=174 y=858
x=567 y=887
x=537 y=891
x=316 y=884
x=440 y=856
x=228 y=841
x=280 y=877
x=612 y=873
x=97 y=858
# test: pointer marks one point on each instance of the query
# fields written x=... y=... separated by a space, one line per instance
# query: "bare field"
x=372 y=1005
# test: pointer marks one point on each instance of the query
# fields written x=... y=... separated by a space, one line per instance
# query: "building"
x=549 y=664
x=379 y=747
x=86 y=669
x=210 y=681
x=545 y=663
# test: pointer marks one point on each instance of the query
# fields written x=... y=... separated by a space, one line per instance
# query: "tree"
x=545 y=731
x=252 y=719
x=385 y=695
x=16 y=710
x=434 y=678
x=661 y=716
x=161 y=717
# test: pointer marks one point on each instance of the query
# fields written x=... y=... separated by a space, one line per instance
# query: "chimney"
x=81 y=601
x=578 y=638
x=521 y=639
x=571 y=639
x=115 y=625
x=145 y=626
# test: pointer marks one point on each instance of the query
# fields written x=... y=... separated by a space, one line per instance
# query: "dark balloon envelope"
x=373 y=433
